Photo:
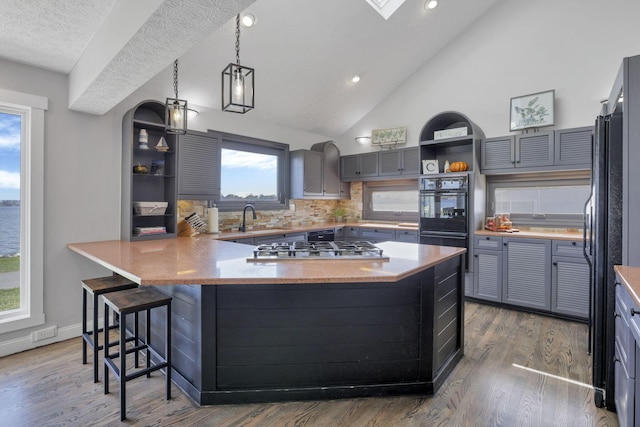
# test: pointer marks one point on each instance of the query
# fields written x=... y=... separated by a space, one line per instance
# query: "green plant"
x=339 y=211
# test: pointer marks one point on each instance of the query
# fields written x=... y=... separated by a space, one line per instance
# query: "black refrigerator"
x=603 y=249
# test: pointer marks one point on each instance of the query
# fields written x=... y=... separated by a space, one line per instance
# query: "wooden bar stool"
x=96 y=287
x=124 y=303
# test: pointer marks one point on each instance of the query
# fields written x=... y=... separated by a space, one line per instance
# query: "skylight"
x=385 y=8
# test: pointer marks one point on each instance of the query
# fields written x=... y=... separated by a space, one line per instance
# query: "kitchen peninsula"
x=306 y=329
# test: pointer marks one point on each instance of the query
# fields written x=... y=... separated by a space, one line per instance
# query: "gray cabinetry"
x=410 y=236
x=351 y=233
x=487 y=267
x=199 y=177
x=626 y=354
x=358 y=166
x=404 y=162
x=573 y=146
x=526 y=272
x=375 y=235
x=497 y=153
x=281 y=238
x=539 y=151
x=155 y=184
x=306 y=174
x=315 y=173
x=569 y=279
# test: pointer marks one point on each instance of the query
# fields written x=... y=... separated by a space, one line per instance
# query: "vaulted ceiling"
x=303 y=51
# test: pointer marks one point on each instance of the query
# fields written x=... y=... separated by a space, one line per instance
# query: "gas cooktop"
x=337 y=250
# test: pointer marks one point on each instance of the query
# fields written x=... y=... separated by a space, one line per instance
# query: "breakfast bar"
x=246 y=331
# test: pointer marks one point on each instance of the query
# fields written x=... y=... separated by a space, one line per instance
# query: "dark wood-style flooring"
x=50 y=386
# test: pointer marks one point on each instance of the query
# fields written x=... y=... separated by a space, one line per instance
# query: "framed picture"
x=532 y=111
x=391 y=136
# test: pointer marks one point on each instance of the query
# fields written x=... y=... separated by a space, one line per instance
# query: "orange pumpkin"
x=458 y=167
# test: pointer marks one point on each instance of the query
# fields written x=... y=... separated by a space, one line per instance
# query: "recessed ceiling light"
x=355 y=78
x=430 y=4
x=248 y=20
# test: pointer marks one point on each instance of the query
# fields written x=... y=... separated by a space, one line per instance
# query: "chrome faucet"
x=244 y=214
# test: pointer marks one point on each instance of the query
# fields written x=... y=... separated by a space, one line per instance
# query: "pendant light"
x=237 y=83
x=176 y=109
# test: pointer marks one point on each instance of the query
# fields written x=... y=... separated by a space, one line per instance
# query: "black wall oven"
x=444 y=211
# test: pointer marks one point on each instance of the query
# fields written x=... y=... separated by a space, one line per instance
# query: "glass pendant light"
x=175 y=108
x=237 y=83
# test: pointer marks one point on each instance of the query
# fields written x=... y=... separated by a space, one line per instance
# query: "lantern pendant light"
x=237 y=83
x=175 y=108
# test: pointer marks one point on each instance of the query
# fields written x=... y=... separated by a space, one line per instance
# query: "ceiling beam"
x=136 y=42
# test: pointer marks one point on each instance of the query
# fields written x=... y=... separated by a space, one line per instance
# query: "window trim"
x=531 y=180
x=396 y=185
x=31 y=312
x=260 y=146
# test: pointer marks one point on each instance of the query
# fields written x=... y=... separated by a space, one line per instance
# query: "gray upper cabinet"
x=573 y=146
x=526 y=277
x=498 y=153
x=199 y=177
x=539 y=151
x=358 y=166
x=315 y=173
x=534 y=149
x=306 y=174
x=404 y=162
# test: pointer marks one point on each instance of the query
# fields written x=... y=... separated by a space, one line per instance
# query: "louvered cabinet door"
x=487 y=280
x=198 y=174
x=526 y=279
x=570 y=286
x=534 y=149
x=573 y=146
x=497 y=153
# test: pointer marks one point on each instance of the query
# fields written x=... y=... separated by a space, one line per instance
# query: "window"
x=390 y=200
x=21 y=187
x=253 y=171
x=556 y=200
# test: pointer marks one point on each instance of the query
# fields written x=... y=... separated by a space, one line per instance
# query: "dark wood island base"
x=297 y=330
x=264 y=343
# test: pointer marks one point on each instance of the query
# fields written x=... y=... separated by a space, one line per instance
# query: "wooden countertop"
x=206 y=260
x=234 y=234
x=532 y=234
x=630 y=279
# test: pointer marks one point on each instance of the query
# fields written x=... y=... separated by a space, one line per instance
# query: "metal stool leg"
x=167 y=350
x=106 y=349
x=84 y=326
x=123 y=366
x=96 y=340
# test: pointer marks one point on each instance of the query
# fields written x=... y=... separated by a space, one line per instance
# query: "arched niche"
x=449 y=120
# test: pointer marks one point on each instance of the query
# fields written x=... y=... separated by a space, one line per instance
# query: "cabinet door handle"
x=615 y=314
x=634 y=311
x=555 y=264
x=488 y=238
x=573 y=243
x=504 y=244
x=476 y=255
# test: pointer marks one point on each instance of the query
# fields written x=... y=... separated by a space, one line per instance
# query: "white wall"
x=518 y=47
x=82 y=192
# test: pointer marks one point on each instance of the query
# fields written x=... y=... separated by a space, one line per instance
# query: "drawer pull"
x=573 y=243
x=488 y=238
x=615 y=314
x=634 y=311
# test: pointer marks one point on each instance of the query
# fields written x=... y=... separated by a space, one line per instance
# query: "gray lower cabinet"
x=351 y=233
x=569 y=279
x=244 y=241
x=409 y=236
x=281 y=238
x=627 y=355
x=526 y=279
x=487 y=267
x=358 y=166
x=375 y=235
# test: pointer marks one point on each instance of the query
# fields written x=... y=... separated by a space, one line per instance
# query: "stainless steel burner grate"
x=318 y=250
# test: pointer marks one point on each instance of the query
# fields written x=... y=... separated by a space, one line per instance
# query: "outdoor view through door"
x=10 y=144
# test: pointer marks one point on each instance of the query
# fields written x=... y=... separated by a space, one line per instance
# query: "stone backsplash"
x=300 y=212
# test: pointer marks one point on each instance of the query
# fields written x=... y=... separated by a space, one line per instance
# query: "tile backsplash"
x=300 y=212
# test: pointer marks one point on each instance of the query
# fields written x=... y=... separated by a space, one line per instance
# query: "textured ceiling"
x=303 y=51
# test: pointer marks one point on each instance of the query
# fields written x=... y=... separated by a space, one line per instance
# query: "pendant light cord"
x=238 y=39
x=175 y=78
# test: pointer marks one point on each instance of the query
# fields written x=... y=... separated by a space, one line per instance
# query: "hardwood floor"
x=489 y=387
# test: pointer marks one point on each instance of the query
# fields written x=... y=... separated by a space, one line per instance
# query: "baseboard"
x=24 y=343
